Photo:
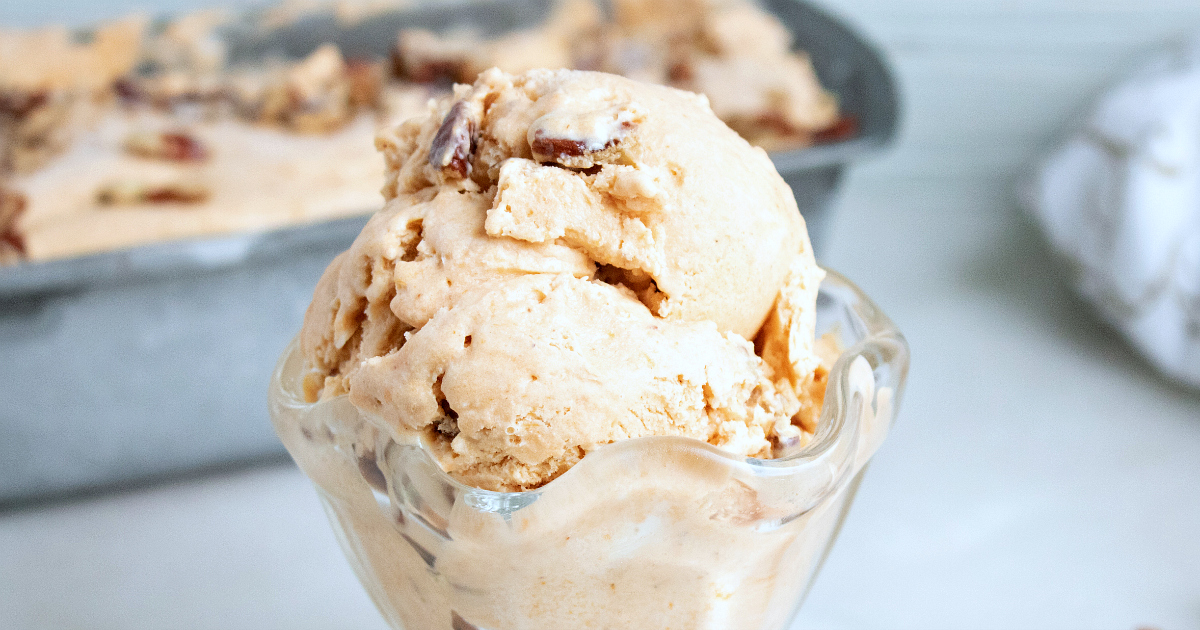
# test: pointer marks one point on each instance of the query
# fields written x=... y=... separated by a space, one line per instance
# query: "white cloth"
x=1120 y=199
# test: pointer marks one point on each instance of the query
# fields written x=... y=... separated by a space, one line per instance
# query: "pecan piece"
x=552 y=149
x=424 y=57
x=454 y=144
x=129 y=90
x=12 y=242
x=680 y=72
x=458 y=623
x=129 y=192
x=579 y=139
x=844 y=128
x=176 y=146
x=18 y=104
x=548 y=148
x=176 y=193
x=33 y=127
x=312 y=96
x=171 y=90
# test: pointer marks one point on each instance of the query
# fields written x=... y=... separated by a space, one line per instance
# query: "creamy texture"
x=679 y=198
x=52 y=85
x=53 y=59
x=733 y=51
x=288 y=142
x=461 y=54
x=551 y=364
x=569 y=259
x=652 y=535
x=256 y=178
x=96 y=156
x=736 y=54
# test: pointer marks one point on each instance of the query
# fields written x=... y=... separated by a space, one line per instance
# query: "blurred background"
x=1041 y=474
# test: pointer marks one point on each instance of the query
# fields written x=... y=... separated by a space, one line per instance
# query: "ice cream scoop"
x=568 y=259
x=569 y=376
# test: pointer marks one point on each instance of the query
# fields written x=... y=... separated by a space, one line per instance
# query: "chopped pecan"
x=424 y=57
x=179 y=193
x=12 y=206
x=311 y=96
x=576 y=139
x=171 y=90
x=458 y=623
x=771 y=121
x=454 y=144
x=176 y=146
x=129 y=90
x=33 y=127
x=434 y=70
x=547 y=148
x=289 y=108
x=844 y=128
x=680 y=72
x=130 y=192
x=18 y=104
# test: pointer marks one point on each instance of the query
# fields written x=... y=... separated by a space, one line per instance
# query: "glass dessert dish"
x=655 y=532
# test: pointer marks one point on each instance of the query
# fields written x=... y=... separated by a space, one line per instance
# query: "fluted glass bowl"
x=649 y=533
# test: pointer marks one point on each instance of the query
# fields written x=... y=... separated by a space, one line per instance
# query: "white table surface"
x=1040 y=476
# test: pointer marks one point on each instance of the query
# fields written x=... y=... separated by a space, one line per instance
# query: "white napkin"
x=1120 y=199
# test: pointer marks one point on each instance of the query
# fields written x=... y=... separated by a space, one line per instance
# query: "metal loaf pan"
x=151 y=361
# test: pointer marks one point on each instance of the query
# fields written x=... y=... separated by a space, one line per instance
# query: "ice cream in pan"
x=567 y=262
x=147 y=133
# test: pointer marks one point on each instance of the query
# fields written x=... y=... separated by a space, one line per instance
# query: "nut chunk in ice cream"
x=567 y=259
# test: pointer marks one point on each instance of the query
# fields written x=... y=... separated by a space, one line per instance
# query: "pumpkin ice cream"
x=567 y=376
x=568 y=259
